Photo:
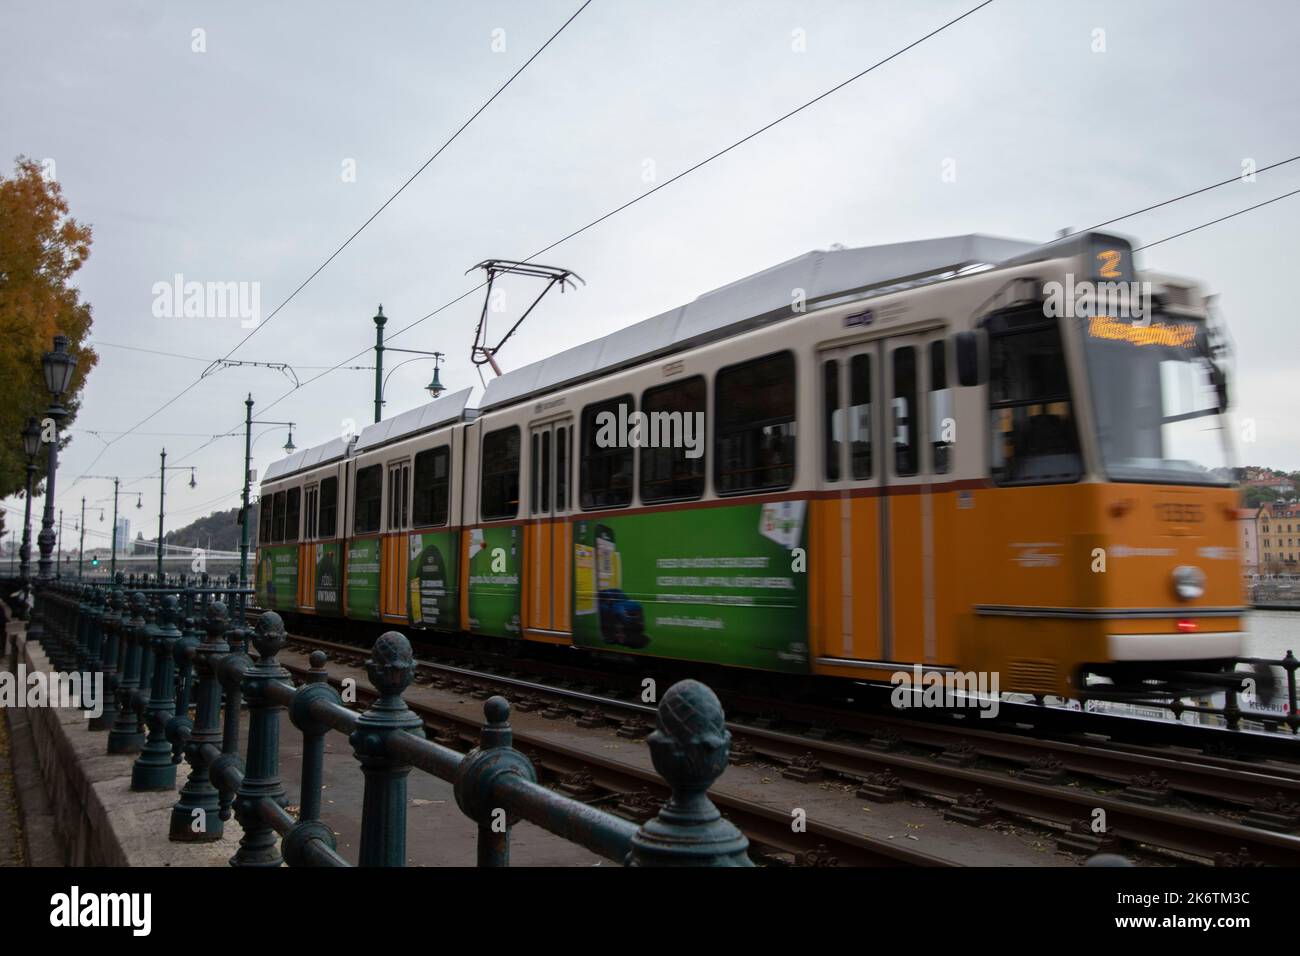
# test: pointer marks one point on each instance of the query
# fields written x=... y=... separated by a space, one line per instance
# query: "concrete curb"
x=41 y=845
x=94 y=813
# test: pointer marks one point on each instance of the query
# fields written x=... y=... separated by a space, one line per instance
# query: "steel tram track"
x=614 y=779
x=990 y=773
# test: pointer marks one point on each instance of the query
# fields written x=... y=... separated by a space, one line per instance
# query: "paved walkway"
x=11 y=836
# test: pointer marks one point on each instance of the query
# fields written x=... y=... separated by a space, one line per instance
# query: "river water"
x=1272 y=633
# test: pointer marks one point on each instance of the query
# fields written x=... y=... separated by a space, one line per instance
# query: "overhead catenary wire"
x=668 y=182
x=387 y=202
x=1149 y=245
x=1187 y=195
x=1107 y=222
x=425 y=165
x=97 y=533
x=325 y=370
x=608 y=215
x=207 y=361
x=1128 y=215
x=1215 y=222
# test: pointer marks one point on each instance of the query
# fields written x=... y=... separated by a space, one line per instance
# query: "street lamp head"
x=58 y=367
x=289 y=446
x=31 y=438
x=435 y=387
x=138 y=502
x=193 y=483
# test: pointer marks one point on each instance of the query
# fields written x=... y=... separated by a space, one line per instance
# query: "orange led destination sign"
x=1182 y=335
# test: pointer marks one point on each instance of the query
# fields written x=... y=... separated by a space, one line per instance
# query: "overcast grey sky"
x=227 y=165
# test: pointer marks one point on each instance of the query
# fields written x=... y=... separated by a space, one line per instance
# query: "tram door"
x=874 y=528
x=549 y=543
x=908 y=505
x=394 y=556
x=846 y=568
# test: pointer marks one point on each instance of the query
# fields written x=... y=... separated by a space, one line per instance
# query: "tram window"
x=605 y=475
x=672 y=450
x=546 y=471
x=755 y=425
x=499 y=487
x=942 y=422
x=265 y=507
x=1032 y=428
x=562 y=467
x=399 y=487
x=404 y=511
x=432 y=487
x=394 y=496
x=366 y=504
x=309 y=514
x=535 y=496
x=292 y=502
x=832 y=418
x=277 y=519
x=327 y=526
x=906 y=440
x=860 y=416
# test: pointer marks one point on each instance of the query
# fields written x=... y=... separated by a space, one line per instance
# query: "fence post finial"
x=259 y=846
x=154 y=770
x=391 y=669
x=124 y=736
x=689 y=748
x=196 y=816
x=477 y=776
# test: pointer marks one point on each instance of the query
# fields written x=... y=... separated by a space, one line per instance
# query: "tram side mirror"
x=969 y=348
x=1219 y=379
x=1203 y=341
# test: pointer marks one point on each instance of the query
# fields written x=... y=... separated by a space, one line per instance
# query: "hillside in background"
x=218 y=531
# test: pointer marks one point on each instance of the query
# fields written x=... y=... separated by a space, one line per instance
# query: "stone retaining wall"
x=98 y=819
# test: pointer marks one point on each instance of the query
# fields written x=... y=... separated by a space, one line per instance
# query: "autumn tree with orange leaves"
x=41 y=248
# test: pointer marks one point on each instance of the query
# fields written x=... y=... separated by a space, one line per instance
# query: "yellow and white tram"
x=966 y=453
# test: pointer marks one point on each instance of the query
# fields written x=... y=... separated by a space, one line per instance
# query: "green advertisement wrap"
x=494 y=580
x=363 y=579
x=277 y=577
x=433 y=580
x=723 y=585
x=262 y=578
x=329 y=570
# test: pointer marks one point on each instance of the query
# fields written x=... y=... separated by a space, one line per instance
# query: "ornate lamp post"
x=112 y=572
x=380 y=321
x=162 y=494
x=58 y=367
x=434 y=387
x=81 y=545
x=31 y=445
x=289 y=449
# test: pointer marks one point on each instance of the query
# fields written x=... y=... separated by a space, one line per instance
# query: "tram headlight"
x=1189 y=582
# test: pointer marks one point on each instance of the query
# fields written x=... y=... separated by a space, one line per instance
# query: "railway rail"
x=1089 y=794
x=633 y=790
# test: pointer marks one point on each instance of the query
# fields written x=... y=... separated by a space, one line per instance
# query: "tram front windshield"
x=1155 y=401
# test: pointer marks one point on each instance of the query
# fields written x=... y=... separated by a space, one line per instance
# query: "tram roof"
x=440 y=411
x=753 y=301
x=306 y=458
x=422 y=418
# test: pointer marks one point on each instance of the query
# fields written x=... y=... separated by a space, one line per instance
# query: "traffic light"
x=94 y=561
